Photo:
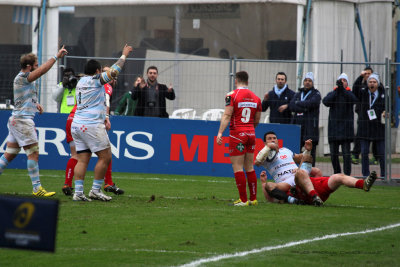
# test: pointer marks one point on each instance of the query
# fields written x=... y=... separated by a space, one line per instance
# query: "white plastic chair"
x=266 y=119
x=213 y=114
x=4 y=106
x=184 y=113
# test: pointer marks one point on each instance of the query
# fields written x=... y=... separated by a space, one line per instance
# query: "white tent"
x=331 y=32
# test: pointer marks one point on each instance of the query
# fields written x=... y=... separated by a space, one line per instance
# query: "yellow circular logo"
x=23 y=214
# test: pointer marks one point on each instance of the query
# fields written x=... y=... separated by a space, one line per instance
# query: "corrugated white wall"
x=332 y=29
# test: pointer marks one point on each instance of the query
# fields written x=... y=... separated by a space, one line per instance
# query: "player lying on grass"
x=306 y=189
x=281 y=164
x=316 y=190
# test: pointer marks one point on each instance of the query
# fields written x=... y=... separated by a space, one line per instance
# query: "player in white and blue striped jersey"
x=281 y=164
x=90 y=125
x=21 y=127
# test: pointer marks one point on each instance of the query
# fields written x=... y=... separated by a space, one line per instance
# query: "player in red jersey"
x=109 y=185
x=242 y=111
x=315 y=191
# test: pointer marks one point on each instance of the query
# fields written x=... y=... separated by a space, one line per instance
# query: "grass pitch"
x=189 y=218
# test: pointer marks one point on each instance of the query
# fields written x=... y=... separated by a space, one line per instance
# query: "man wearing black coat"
x=151 y=96
x=341 y=123
x=370 y=127
x=278 y=100
x=360 y=84
x=305 y=105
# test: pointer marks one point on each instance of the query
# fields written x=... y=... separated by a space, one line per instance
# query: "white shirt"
x=282 y=167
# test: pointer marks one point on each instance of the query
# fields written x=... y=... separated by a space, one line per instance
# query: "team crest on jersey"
x=228 y=98
x=240 y=147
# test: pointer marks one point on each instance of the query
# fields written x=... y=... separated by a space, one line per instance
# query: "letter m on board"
x=179 y=143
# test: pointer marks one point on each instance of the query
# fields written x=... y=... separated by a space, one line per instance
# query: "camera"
x=70 y=81
x=339 y=83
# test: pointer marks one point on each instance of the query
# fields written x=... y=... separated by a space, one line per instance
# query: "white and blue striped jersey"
x=91 y=101
x=25 y=97
x=282 y=166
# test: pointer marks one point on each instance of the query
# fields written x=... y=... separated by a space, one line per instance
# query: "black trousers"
x=334 y=149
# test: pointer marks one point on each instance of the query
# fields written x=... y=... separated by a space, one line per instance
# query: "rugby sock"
x=240 y=179
x=359 y=184
x=97 y=185
x=33 y=171
x=312 y=193
x=3 y=163
x=69 y=171
x=252 y=183
x=278 y=194
x=79 y=187
x=108 y=177
x=292 y=200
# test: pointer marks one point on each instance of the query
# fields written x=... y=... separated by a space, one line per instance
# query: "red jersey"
x=108 y=88
x=245 y=106
x=72 y=113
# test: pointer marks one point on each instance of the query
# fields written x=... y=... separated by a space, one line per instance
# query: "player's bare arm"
x=37 y=73
x=257 y=119
x=226 y=117
x=269 y=151
x=113 y=72
x=307 y=146
x=39 y=108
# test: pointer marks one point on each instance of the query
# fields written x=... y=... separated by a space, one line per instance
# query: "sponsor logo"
x=283 y=165
x=240 y=147
x=23 y=214
x=286 y=172
x=247 y=105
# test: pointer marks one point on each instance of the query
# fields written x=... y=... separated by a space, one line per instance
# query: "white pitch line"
x=137 y=250
x=287 y=245
x=141 y=178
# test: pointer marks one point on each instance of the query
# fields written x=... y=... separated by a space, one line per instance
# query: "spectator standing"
x=21 y=127
x=305 y=105
x=361 y=84
x=127 y=106
x=242 y=113
x=370 y=128
x=340 y=123
x=278 y=100
x=64 y=94
x=151 y=96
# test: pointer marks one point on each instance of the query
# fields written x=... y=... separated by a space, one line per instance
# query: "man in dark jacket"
x=278 y=100
x=370 y=128
x=305 y=105
x=360 y=84
x=341 y=123
x=151 y=96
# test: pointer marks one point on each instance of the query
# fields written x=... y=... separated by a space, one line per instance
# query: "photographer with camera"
x=341 y=122
x=64 y=94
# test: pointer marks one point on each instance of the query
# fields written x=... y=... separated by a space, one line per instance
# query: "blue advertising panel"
x=22 y=225
x=150 y=145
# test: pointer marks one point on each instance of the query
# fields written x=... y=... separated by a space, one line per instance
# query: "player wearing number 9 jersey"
x=243 y=111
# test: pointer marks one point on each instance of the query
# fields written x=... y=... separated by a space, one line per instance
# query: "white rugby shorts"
x=288 y=180
x=21 y=131
x=90 y=136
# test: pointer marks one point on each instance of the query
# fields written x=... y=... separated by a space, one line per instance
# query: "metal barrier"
x=202 y=82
